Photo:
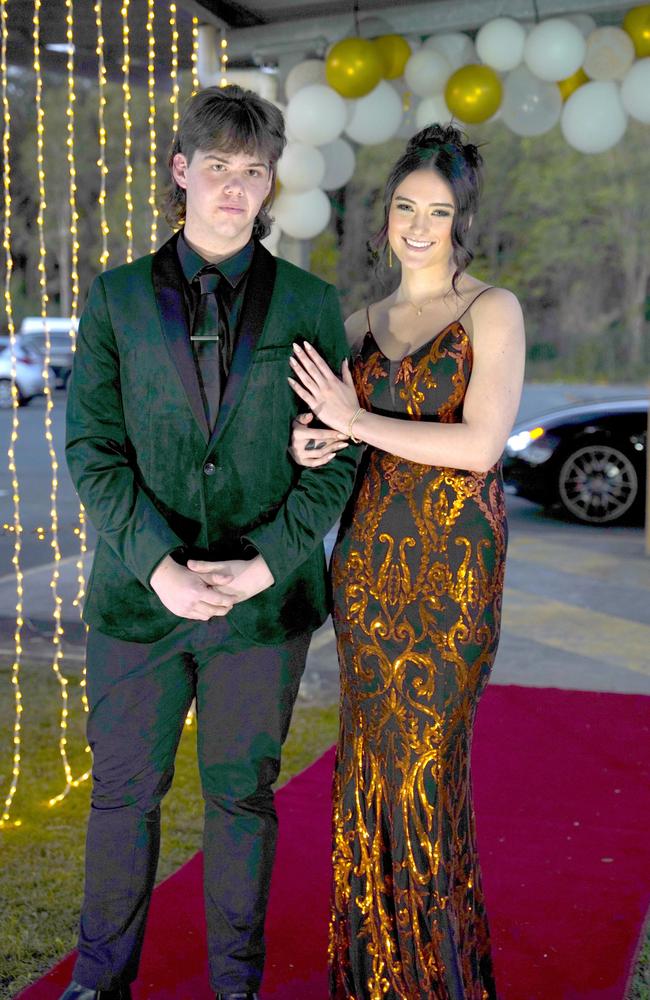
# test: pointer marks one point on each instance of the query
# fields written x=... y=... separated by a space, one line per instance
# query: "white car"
x=29 y=375
x=59 y=328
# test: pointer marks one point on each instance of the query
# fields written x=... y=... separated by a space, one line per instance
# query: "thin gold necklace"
x=423 y=304
x=419 y=308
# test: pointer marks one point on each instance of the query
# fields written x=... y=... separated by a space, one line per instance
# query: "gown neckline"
x=428 y=343
x=422 y=347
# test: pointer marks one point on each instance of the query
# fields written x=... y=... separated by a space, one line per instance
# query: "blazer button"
x=209 y=468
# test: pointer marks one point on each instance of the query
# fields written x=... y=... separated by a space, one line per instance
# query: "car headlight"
x=520 y=441
x=528 y=444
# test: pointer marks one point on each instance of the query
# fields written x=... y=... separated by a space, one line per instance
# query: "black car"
x=590 y=458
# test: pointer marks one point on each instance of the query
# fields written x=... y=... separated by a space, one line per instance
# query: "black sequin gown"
x=418 y=580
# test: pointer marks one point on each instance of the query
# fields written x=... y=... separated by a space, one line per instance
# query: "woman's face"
x=420 y=220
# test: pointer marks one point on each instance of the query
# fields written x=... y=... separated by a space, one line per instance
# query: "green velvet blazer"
x=153 y=479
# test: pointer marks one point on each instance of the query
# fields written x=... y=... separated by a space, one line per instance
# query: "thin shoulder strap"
x=482 y=292
x=368 y=318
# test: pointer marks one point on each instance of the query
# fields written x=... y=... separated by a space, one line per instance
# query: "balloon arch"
x=591 y=80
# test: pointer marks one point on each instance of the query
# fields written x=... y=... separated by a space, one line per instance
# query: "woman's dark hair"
x=443 y=148
x=232 y=120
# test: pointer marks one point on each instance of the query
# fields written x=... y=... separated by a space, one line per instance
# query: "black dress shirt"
x=230 y=292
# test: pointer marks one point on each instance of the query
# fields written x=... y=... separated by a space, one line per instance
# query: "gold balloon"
x=572 y=83
x=473 y=93
x=637 y=24
x=394 y=52
x=353 y=67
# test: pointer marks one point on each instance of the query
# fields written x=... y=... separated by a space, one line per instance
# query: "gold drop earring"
x=390 y=255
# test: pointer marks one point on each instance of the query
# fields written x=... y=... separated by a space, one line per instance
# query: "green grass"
x=640 y=987
x=42 y=860
x=41 y=875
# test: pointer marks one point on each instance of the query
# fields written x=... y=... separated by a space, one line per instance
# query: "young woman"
x=418 y=580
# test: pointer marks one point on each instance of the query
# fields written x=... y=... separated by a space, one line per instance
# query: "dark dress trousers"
x=155 y=480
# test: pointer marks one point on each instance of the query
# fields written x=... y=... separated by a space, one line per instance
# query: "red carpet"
x=561 y=790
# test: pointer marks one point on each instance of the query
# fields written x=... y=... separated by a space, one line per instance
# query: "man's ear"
x=179 y=169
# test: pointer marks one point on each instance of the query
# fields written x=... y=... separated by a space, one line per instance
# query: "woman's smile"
x=417 y=244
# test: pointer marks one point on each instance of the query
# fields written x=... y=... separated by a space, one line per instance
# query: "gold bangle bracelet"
x=350 y=425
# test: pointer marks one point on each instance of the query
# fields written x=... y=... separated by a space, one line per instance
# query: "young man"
x=209 y=574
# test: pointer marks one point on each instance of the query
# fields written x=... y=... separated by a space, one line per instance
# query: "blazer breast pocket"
x=276 y=352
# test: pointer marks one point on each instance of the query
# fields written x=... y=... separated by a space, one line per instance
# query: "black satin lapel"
x=259 y=289
x=166 y=276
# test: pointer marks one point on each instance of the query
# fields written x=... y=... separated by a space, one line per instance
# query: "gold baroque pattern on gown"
x=418 y=581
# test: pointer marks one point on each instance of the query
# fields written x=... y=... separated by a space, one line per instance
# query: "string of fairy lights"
x=80 y=530
x=57 y=651
x=223 y=60
x=74 y=309
x=101 y=121
x=174 y=99
x=72 y=168
x=194 y=59
x=125 y=172
x=151 y=122
x=5 y=817
x=128 y=129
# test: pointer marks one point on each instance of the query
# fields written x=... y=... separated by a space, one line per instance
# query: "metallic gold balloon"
x=395 y=52
x=354 y=67
x=473 y=93
x=572 y=83
x=637 y=24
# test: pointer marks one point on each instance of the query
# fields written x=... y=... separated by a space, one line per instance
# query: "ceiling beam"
x=315 y=34
x=222 y=13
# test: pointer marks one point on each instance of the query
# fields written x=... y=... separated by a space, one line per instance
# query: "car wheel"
x=6 y=401
x=598 y=483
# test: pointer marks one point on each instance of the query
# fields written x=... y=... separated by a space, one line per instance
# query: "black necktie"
x=206 y=343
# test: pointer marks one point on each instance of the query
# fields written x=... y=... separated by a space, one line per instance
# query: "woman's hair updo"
x=442 y=148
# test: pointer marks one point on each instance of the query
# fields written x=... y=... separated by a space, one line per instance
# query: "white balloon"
x=316 y=115
x=456 y=47
x=585 y=22
x=307 y=72
x=432 y=111
x=272 y=241
x=340 y=162
x=530 y=106
x=301 y=167
x=554 y=49
x=635 y=91
x=287 y=131
x=302 y=215
x=500 y=43
x=610 y=53
x=593 y=118
x=377 y=116
x=427 y=72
